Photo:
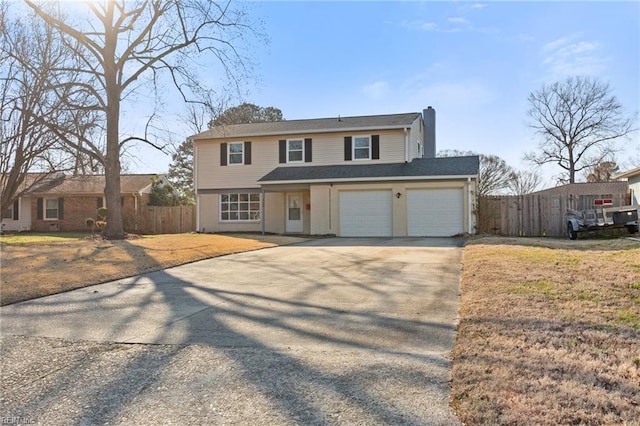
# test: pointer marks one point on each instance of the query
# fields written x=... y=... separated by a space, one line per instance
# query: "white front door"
x=294 y=213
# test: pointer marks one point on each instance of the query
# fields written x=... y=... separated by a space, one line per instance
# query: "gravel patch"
x=54 y=381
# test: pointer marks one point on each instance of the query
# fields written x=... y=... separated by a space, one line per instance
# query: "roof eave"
x=368 y=179
x=627 y=174
x=302 y=131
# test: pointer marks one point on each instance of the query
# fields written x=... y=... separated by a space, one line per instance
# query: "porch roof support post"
x=262 y=211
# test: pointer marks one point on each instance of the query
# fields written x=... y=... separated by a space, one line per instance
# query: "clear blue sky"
x=474 y=62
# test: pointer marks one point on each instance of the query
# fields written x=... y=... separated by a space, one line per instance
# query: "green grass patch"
x=50 y=237
x=631 y=318
x=544 y=287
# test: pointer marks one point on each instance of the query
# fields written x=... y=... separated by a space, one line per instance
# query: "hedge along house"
x=346 y=176
x=64 y=203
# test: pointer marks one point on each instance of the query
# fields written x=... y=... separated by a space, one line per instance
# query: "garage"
x=366 y=213
x=435 y=212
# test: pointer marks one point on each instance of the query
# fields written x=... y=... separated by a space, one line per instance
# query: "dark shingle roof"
x=94 y=184
x=315 y=125
x=427 y=167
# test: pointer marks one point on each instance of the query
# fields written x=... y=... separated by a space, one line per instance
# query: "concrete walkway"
x=332 y=331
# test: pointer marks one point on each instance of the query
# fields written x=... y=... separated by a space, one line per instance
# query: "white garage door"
x=366 y=214
x=435 y=212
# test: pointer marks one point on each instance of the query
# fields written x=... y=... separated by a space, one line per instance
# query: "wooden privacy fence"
x=166 y=220
x=533 y=215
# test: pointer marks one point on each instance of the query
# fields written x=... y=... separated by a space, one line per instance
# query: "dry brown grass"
x=549 y=333
x=35 y=266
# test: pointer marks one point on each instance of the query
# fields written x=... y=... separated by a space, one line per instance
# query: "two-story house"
x=346 y=176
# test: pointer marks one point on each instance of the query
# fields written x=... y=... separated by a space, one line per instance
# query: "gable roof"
x=94 y=184
x=628 y=174
x=446 y=167
x=588 y=188
x=315 y=125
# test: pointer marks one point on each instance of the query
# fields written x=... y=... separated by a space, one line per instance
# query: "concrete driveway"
x=330 y=331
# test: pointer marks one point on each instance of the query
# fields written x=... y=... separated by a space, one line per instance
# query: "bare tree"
x=524 y=182
x=30 y=154
x=495 y=173
x=123 y=45
x=578 y=121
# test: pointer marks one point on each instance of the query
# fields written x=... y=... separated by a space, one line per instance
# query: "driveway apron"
x=331 y=331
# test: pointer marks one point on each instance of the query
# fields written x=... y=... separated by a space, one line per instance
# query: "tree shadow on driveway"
x=271 y=352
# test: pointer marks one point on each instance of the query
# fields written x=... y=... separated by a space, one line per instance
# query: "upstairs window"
x=361 y=148
x=295 y=151
x=236 y=153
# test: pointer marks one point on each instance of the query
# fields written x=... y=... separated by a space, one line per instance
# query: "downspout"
x=262 y=212
x=469 y=205
x=195 y=185
x=406 y=145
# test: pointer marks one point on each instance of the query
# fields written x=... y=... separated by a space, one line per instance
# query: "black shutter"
x=16 y=209
x=283 y=151
x=307 y=151
x=60 y=208
x=99 y=202
x=223 y=154
x=347 y=148
x=247 y=153
x=375 y=147
x=40 y=206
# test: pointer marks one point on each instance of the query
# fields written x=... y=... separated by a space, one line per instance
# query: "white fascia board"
x=370 y=179
x=627 y=174
x=299 y=132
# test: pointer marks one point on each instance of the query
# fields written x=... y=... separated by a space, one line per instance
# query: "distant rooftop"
x=94 y=184
x=314 y=125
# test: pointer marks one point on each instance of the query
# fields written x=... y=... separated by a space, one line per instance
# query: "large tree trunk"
x=114 y=229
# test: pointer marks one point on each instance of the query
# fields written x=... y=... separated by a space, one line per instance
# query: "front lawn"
x=35 y=265
x=549 y=333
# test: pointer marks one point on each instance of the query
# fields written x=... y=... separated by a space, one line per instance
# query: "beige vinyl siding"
x=416 y=135
x=321 y=206
x=328 y=149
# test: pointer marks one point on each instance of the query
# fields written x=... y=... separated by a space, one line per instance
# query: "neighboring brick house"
x=63 y=204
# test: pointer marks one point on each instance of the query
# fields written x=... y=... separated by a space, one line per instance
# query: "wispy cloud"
x=458 y=20
x=569 y=55
x=376 y=90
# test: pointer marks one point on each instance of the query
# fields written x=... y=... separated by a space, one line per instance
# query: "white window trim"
x=44 y=209
x=353 y=148
x=288 y=151
x=249 y=211
x=229 y=153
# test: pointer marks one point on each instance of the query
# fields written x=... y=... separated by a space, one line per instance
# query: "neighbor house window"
x=236 y=153
x=295 y=151
x=361 y=148
x=51 y=208
x=239 y=207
